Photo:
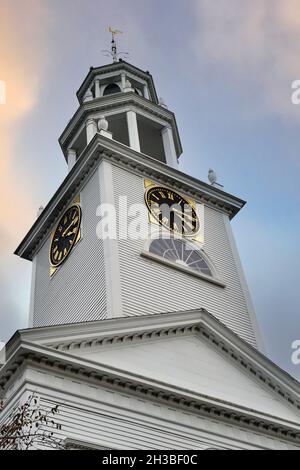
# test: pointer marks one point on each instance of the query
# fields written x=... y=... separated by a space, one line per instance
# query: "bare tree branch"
x=29 y=426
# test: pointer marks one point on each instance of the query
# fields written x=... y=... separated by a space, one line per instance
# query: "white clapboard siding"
x=131 y=423
x=149 y=287
x=98 y=415
x=76 y=292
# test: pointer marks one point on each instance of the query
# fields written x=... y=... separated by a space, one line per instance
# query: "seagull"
x=39 y=211
x=161 y=102
x=212 y=177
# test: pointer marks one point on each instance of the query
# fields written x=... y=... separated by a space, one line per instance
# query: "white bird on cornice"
x=212 y=177
x=161 y=102
x=39 y=211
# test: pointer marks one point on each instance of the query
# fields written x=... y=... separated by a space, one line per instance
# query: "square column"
x=71 y=158
x=134 y=141
x=123 y=81
x=169 y=147
x=146 y=93
x=97 y=88
x=91 y=130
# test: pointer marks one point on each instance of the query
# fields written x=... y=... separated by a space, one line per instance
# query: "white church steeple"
x=122 y=144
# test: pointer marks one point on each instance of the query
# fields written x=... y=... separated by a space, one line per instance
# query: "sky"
x=225 y=68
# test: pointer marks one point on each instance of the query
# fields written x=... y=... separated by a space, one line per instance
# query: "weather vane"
x=113 y=52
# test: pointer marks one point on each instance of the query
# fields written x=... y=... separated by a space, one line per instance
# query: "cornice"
x=44 y=359
x=102 y=148
x=115 y=102
x=133 y=330
x=204 y=325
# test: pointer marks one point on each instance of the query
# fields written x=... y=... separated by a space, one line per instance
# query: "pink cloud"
x=24 y=30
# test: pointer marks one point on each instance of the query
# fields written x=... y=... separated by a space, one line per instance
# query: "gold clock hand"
x=63 y=234
x=71 y=233
x=186 y=222
x=183 y=214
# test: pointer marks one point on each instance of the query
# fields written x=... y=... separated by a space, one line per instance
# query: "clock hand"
x=182 y=214
x=186 y=222
x=71 y=233
x=72 y=223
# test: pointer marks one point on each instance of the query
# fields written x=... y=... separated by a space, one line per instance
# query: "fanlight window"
x=111 y=89
x=180 y=252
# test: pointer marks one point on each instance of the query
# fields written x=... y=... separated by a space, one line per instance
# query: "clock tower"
x=141 y=323
x=122 y=147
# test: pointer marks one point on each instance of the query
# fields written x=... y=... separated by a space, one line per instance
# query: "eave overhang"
x=113 y=67
x=50 y=348
x=102 y=148
x=118 y=101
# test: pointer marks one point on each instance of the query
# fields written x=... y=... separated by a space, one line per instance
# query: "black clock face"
x=65 y=235
x=172 y=211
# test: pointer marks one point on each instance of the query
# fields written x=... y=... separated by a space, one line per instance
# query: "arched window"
x=111 y=89
x=181 y=252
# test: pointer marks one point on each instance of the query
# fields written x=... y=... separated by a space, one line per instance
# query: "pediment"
x=190 y=354
x=190 y=363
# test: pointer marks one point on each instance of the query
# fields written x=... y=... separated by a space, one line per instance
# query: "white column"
x=146 y=92
x=110 y=246
x=91 y=129
x=71 y=158
x=169 y=147
x=134 y=140
x=123 y=79
x=97 y=88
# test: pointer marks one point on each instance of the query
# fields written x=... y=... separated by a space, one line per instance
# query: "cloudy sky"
x=225 y=68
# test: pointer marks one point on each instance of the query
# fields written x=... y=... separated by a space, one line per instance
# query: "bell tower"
x=126 y=96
